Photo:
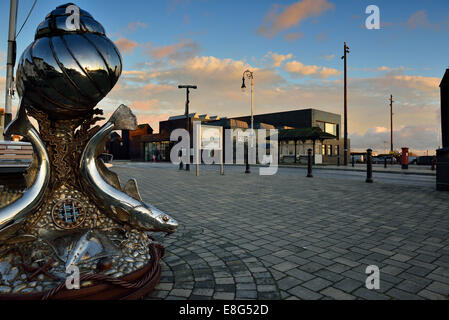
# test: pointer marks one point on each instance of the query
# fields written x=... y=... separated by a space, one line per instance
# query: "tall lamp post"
x=11 y=61
x=391 y=124
x=250 y=76
x=346 y=51
x=187 y=87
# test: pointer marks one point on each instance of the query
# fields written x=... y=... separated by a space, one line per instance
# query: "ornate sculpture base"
x=100 y=287
x=72 y=227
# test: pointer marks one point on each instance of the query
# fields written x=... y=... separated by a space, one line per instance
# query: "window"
x=323 y=150
x=331 y=128
x=291 y=148
x=329 y=150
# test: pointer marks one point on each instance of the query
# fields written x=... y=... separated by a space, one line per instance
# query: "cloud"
x=178 y=51
x=420 y=20
x=322 y=37
x=329 y=57
x=133 y=26
x=2 y=60
x=145 y=104
x=292 y=37
x=186 y=19
x=298 y=68
x=277 y=21
x=125 y=45
x=151 y=90
x=279 y=59
x=419 y=138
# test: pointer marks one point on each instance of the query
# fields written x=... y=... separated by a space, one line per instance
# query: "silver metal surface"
x=123 y=207
x=12 y=215
x=65 y=73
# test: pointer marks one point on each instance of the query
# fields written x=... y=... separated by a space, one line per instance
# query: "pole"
x=309 y=163
x=369 y=166
x=346 y=51
x=221 y=153
x=197 y=145
x=11 y=61
x=188 y=87
x=391 y=122
x=188 y=127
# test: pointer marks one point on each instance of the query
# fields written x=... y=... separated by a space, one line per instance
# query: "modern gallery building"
x=299 y=130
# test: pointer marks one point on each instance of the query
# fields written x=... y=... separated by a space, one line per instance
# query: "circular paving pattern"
x=200 y=266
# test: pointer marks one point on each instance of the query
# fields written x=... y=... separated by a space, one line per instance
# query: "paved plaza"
x=291 y=237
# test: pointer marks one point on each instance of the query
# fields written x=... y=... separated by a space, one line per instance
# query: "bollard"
x=248 y=170
x=385 y=162
x=433 y=163
x=309 y=163
x=404 y=158
x=338 y=161
x=181 y=167
x=353 y=161
x=369 y=166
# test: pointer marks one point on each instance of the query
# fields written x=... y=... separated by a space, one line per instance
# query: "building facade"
x=322 y=134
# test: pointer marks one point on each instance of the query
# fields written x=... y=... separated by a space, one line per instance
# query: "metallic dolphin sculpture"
x=13 y=215
x=127 y=205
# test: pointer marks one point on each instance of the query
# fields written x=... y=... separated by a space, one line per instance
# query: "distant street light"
x=391 y=123
x=250 y=75
x=187 y=87
x=346 y=51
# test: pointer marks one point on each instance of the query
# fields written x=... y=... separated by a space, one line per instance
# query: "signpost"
x=208 y=139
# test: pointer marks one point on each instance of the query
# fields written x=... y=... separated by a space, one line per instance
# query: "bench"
x=15 y=156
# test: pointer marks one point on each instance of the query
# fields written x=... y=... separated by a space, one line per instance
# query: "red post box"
x=404 y=158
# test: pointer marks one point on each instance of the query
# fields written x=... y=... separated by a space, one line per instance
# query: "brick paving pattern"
x=289 y=237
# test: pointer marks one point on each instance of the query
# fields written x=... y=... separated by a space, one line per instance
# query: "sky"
x=294 y=49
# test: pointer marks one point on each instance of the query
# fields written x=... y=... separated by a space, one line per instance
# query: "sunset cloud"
x=182 y=50
x=279 y=59
x=133 y=26
x=279 y=20
x=298 y=68
x=125 y=45
x=152 y=93
x=144 y=105
x=293 y=36
x=420 y=20
x=418 y=138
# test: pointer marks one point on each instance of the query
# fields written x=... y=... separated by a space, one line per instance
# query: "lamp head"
x=243 y=84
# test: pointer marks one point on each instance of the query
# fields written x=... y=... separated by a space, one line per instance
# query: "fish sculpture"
x=124 y=205
x=12 y=216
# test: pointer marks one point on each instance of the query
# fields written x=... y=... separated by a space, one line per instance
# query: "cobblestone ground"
x=289 y=237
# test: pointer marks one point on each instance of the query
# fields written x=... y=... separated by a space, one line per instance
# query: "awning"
x=314 y=133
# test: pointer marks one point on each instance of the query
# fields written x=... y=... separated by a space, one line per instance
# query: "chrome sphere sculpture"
x=66 y=72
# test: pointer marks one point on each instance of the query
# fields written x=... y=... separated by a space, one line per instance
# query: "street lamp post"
x=346 y=51
x=187 y=87
x=250 y=75
x=11 y=61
